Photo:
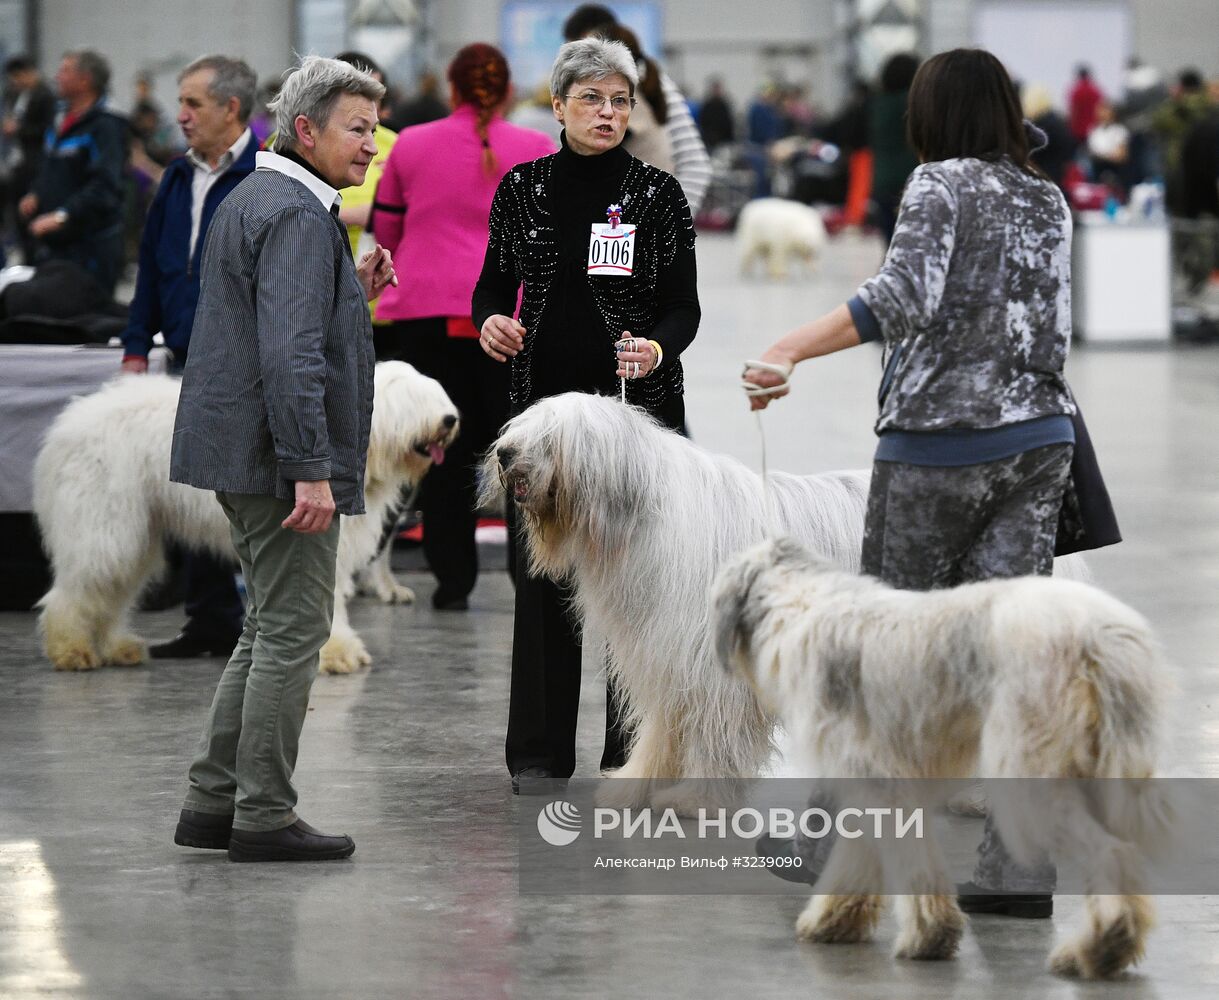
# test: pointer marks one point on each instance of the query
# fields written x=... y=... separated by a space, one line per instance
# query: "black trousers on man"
x=214 y=609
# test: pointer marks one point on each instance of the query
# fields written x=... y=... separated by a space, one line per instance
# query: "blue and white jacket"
x=167 y=286
x=82 y=174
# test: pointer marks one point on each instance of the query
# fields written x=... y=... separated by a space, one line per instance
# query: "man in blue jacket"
x=75 y=206
x=215 y=98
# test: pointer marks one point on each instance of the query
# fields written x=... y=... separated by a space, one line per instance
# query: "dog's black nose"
x=506 y=455
x=449 y=419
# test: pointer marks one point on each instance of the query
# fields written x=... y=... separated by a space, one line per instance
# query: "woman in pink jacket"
x=431 y=211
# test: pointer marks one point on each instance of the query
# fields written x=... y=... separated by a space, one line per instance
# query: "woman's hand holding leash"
x=768 y=378
x=764 y=381
x=637 y=358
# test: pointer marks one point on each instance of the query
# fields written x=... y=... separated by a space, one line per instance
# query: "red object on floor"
x=415 y=534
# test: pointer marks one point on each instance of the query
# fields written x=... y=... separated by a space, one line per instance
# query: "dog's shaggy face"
x=742 y=596
x=413 y=422
x=566 y=463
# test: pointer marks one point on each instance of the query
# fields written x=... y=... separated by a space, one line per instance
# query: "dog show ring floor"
x=407 y=756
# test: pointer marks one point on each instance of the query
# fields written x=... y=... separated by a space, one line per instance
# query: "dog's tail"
x=1114 y=709
x=1112 y=824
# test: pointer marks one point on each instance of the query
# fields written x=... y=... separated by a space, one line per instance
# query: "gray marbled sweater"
x=974 y=299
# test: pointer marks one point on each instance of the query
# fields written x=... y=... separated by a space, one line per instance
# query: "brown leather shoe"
x=208 y=831
x=298 y=842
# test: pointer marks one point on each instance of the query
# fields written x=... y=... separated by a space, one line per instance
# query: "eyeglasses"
x=594 y=101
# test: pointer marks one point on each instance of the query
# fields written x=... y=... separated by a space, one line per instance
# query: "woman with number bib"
x=602 y=245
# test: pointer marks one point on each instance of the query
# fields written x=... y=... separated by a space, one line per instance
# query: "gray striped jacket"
x=279 y=379
x=691 y=164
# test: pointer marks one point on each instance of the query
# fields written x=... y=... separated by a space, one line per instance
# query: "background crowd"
x=1162 y=128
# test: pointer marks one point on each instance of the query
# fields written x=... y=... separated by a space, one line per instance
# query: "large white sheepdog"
x=106 y=507
x=779 y=233
x=1023 y=678
x=639 y=519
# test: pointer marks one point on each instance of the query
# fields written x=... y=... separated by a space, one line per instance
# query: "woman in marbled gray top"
x=973 y=304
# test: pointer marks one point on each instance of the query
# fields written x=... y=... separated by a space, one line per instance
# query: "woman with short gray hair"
x=603 y=246
x=592 y=59
x=274 y=416
x=313 y=90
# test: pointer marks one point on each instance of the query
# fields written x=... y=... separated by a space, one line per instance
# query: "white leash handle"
x=753 y=389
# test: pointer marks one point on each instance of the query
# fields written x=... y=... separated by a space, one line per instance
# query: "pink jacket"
x=435 y=173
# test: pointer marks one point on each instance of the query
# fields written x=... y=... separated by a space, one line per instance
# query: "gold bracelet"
x=660 y=354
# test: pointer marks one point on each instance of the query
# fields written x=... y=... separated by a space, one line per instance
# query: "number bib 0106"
x=611 y=250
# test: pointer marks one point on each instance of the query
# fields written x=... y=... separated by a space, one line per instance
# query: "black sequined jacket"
x=539 y=234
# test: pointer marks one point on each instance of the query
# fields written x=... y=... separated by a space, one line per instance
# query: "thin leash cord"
x=753 y=389
x=768 y=502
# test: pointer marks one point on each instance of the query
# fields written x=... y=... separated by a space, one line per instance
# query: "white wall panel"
x=162 y=36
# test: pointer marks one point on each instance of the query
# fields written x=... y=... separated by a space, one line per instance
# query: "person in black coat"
x=25 y=127
x=577 y=316
x=75 y=207
x=715 y=119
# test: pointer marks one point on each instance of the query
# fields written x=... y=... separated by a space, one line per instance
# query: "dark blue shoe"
x=1028 y=905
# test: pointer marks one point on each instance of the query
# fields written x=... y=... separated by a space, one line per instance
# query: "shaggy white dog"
x=639 y=519
x=1022 y=678
x=106 y=507
x=778 y=232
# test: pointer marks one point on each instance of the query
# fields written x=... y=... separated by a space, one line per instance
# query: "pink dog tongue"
x=437 y=453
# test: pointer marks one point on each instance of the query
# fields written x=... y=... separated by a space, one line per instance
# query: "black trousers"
x=544 y=703
x=546 y=654
x=214 y=609
x=478 y=387
x=213 y=606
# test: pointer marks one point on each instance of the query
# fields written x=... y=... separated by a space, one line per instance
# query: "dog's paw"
x=343 y=655
x=1101 y=952
x=687 y=798
x=838 y=919
x=126 y=651
x=397 y=594
x=936 y=933
x=1064 y=960
x=74 y=656
x=970 y=801
x=622 y=793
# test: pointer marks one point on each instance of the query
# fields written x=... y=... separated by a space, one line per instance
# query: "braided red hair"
x=479 y=74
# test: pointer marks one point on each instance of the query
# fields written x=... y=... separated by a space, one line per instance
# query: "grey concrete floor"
x=95 y=901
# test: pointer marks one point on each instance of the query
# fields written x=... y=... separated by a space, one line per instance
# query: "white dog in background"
x=779 y=233
x=106 y=508
x=1022 y=678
